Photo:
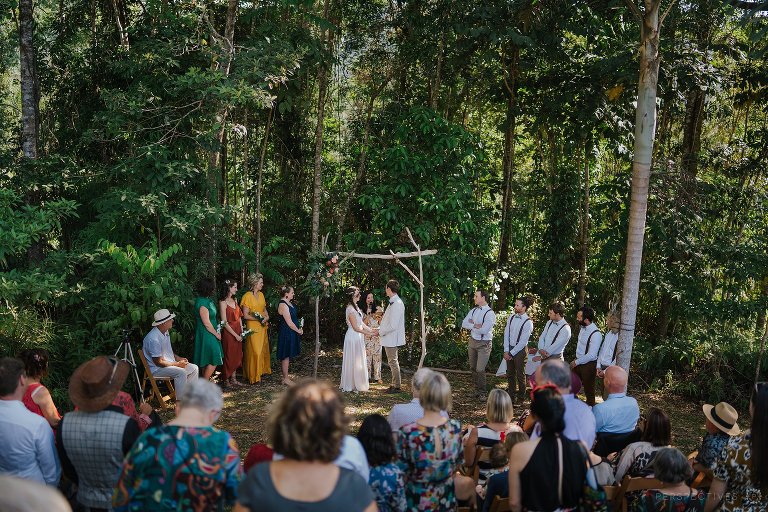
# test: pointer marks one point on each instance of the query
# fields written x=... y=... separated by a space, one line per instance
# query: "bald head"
x=615 y=379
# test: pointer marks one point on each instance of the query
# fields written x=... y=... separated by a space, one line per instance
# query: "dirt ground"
x=246 y=409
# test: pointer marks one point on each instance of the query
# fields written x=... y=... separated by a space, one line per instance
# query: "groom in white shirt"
x=392 y=332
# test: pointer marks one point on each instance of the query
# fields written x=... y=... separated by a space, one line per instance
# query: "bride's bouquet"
x=301 y=323
x=220 y=327
x=246 y=333
x=259 y=317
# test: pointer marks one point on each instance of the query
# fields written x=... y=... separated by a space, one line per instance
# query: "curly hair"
x=307 y=422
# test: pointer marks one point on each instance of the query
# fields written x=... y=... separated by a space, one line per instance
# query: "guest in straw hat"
x=93 y=440
x=721 y=425
x=160 y=357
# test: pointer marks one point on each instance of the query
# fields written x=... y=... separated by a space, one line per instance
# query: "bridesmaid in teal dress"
x=208 y=354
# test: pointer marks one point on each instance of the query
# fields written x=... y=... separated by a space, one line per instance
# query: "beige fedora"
x=723 y=416
x=162 y=316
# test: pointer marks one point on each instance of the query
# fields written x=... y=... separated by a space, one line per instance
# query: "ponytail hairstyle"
x=285 y=289
x=548 y=407
x=224 y=288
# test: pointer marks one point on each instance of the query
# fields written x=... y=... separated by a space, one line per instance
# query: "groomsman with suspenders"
x=607 y=355
x=556 y=334
x=516 y=335
x=585 y=364
x=479 y=321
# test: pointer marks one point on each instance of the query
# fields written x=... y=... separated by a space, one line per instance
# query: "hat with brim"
x=162 y=316
x=95 y=384
x=723 y=416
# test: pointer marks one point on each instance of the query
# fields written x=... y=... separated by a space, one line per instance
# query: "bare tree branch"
x=635 y=10
x=669 y=8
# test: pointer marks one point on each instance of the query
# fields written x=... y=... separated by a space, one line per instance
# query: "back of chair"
x=500 y=504
x=482 y=454
x=607 y=443
x=629 y=484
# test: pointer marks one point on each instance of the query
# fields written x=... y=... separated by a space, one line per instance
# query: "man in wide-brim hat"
x=93 y=439
x=161 y=359
x=721 y=425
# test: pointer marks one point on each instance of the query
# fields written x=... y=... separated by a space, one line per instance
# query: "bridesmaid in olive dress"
x=208 y=354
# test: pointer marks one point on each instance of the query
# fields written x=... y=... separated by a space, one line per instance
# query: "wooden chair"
x=703 y=479
x=482 y=454
x=152 y=380
x=500 y=504
x=630 y=484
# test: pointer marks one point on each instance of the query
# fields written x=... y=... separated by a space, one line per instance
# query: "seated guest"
x=37 y=398
x=386 y=478
x=578 y=417
x=498 y=462
x=161 y=360
x=187 y=464
x=403 y=414
x=258 y=453
x=499 y=416
x=741 y=470
x=535 y=465
x=721 y=425
x=307 y=426
x=17 y=495
x=93 y=440
x=429 y=450
x=672 y=468
x=498 y=484
x=353 y=457
x=619 y=413
x=635 y=460
x=26 y=439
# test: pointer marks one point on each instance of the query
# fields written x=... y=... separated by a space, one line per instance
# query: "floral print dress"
x=734 y=467
x=386 y=482
x=429 y=456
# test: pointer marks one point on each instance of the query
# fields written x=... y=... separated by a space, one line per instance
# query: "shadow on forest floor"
x=246 y=409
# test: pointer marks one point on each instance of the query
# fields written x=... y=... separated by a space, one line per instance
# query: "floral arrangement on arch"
x=322 y=274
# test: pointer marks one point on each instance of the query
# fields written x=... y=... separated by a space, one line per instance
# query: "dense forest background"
x=147 y=143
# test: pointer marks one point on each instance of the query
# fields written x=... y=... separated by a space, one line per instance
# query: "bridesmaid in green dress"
x=208 y=352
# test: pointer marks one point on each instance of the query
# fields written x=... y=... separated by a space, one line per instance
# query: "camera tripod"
x=127 y=355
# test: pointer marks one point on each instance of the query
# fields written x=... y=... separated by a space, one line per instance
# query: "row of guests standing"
x=222 y=343
x=594 y=351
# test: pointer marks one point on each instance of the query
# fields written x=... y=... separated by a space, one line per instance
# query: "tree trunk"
x=694 y=120
x=508 y=166
x=223 y=63
x=317 y=183
x=584 y=238
x=259 y=183
x=121 y=19
x=645 y=129
x=30 y=121
x=761 y=317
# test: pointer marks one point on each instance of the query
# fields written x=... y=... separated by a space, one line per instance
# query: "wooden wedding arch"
x=397 y=256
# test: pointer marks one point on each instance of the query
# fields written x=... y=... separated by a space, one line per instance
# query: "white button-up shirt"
x=27 y=447
x=590 y=339
x=552 y=341
x=480 y=315
x=517 y=333
x=607 y=355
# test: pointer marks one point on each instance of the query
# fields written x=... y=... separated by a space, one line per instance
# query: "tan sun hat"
x=162 y=316
x=95 y=384
x=723 y=416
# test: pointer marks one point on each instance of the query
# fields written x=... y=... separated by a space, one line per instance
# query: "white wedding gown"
x=354 y=368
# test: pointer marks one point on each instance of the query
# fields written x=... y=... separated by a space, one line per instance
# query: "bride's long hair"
x=351 y=291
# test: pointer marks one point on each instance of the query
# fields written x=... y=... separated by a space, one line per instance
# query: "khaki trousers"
x=394 y=365
x=479 y=353
x=516 y=374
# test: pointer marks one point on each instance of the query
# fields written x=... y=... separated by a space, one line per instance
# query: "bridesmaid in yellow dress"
x=256 y=362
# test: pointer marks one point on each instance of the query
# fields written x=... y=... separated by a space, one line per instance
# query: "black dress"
x=539 y=478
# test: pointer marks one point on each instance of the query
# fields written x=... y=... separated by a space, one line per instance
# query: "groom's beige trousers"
x=394 y=365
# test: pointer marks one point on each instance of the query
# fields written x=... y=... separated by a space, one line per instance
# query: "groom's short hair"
x=393 y=285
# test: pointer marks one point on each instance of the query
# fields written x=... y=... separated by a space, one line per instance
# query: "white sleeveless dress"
x=354 y=367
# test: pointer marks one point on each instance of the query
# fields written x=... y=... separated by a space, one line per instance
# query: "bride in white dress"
x=354 y=368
